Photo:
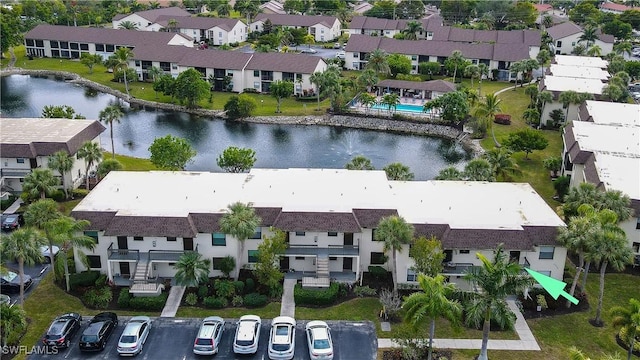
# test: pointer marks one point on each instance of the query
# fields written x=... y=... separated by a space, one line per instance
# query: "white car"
x=247 y=335
x=134 y=336
x=44 y=250
x=340 y=55
x=282 y=339
x=308 y=51
x=319 y=340
x=209 y=336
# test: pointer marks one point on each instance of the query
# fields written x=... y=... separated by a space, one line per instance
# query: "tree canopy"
x=453 y=106
x=235 y=160
x=526 y=140
x=190 y=88
x=171 y=153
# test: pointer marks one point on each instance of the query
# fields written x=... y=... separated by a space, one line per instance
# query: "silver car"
x=247 y=335
x=319 y=340
x=209 y=336
x=134 y=336
x=282 y=339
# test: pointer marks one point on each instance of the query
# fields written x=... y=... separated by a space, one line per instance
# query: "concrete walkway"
x=173 y=301
x=527 y=340
x=288 y=303
x=14 y=207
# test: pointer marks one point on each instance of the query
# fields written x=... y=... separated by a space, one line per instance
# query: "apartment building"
x=566 y=36
x=143 y=19
x=209 y=30
x=323 y=28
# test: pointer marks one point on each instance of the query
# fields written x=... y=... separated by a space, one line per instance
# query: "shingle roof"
x=99 y=219
x=369 y=218
x=486 y=239
x=317 y=221
x=563 y=30
x=449 y=33
x=295 y=63
x=433 y=85
x=297 y=20
x=428 y=230
x=151 y=226
x=153 y=14
x=268 y=214
x=206 y=222
x=198 y=22
x=211 y=58
x=541 y=235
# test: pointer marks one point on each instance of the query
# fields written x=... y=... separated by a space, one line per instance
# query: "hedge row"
x=151 y=303
x=316 y=296
x=85 y=278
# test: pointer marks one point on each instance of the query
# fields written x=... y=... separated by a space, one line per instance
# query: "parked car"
x=12 y=221
x=10 y=282
x=209 y=336
x=62 y=330
x=309 y=51
x=247 y=335
x=96 y=335
x=319 y=340
x=44 y=250
x=134 y=336
x=340 y=55
x=336 y=45
x=5 y=299
x=282 y=339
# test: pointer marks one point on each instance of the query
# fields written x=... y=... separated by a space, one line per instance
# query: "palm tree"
x=412 y=30
x=532 y=92
x=531 y=116
x=449 y=173
x=172 y=25
x=629 y=319
x=391 y=101
x=478 y=170
x=543 y=98
x=318 y=79
x=154 y=73
x=395 y=232
x=457 y=59
x=517 y=67
x=528 y=66
x=624 y=47
x=241 y=222
x=107 y=166
x=359 y=162
x=398 y=172
x=502 y=164
x=121 y=57
x=248 y=8
x=575 y=354
x=128 y=25
x=91 y=153
x=543 y=58
x=24 y=246
x=191 y=269
x=472 y=71
x=589 y=35
x=67 y=232
x=367 y=100
x=367 y=79
x=224 y=10
x=431 y=303
x=109 y=115
x=40 y=182
x=378 y=62
x=61 y=162
x=497 y=279
x=547 y=21
x=594 y=51
x=567 y=98
x=12 y=318
x=488 y=110
x=38 y=215
x=484 y=72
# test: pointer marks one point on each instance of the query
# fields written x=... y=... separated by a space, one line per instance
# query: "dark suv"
x=62 y=329
x=12 y=221
x=95 y=336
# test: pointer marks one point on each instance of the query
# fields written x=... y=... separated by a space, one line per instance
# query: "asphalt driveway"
x=173 y=339
x=36 y=272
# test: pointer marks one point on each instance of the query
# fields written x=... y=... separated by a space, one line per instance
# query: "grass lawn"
x=131 y=163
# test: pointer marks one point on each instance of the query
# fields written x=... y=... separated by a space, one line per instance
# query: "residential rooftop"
x=582 y=61
x=569 y=28
x=619 y=173
x=601 y=112
x=607 y=139
x=153 y=14
x=578 y=72
x=581 y=85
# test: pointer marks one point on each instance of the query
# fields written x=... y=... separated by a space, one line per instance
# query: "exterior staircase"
x=142 y=269
x=322 y=266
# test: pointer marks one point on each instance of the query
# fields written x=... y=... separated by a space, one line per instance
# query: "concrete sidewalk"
x=288 y=303
x=173 y=301
x=13 y=207
x=527 y=340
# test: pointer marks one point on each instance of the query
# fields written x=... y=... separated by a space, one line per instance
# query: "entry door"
x=122 y=243
x=348 y=239
x=347 y=264
x=284 y=263
x=188 y=244
x=514 y=256
x=125 y=272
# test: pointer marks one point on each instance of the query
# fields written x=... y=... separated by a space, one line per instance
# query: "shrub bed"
x=316 y=296
x=255 y=300
x=85 y=278
x=150 y=303
x=504 y=119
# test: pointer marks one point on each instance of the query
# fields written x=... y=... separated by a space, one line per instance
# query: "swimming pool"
x=401 y=107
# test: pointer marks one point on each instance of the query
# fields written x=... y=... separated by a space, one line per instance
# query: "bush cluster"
x=237 y=301
x=98 y=298
x=150 y=303
x=362 y=291
x=316 y=296
x=378 y=271
x=215 y=302
x=85 y=278
x=249 y=286
x=191 y=299
x=504 y=119
x=255 y=300
x=224 y=288
x=123 y=298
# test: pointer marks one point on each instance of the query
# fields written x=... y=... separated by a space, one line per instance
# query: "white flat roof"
x=461 y=204
x=583 y=72
x=28 y=130
x=585 y=61
x=560 y=83
x=608 y=139
x=619 y=173
x=610 y=113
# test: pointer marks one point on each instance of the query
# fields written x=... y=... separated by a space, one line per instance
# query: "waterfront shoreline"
x=346 y=121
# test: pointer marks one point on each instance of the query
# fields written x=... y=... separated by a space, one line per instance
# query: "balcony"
x=123 y=254
x=314 y=250
x=14 y=172
x=165 y=255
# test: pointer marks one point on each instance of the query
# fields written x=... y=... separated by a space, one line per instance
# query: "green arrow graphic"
x=554 y=287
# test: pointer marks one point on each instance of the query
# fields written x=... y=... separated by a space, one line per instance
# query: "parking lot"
x=173 y=339
x=36 y=272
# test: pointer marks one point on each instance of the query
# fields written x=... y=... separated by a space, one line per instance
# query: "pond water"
x=276 y=146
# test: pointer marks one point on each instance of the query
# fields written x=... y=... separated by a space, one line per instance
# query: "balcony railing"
x=315 y=250
x=123 y=254
x=165 y=255
x=14 y=172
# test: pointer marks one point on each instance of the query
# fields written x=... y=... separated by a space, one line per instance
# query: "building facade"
x=143 y=19
x=323 y=28
x=209 y=30
x=566 y=37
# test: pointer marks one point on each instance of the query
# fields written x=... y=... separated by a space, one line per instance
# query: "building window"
x=299 y=257
x=216 y=262
x=559 y=43
x=637 y=223
x=253 y=256
x=92 y=234
x=546 y=252
x=636 y=247
x=138 y=238
x=333 y=258
x=544 y=272
x=464 y=251
x=257 y=234
x=378 y=258
x=414 y=57
x=411 y=275
x=54 y=44
x=94 y=261
x=220 y=34
x=229 y=72
x=20 y=160
x=256 y=73
x=332 y=233
x=300 y=233
x=171 y=238
x=218 y=239
x=110 y=48
x=99 y=47
x=256 y=84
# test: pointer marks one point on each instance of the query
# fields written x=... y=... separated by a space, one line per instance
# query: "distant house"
x=323 y=28
x=26 y=144
x=272 y=7
x=214 y=31
x=366 y=25
x=566 y=36
x=361 y=7
x=614 y=8
x=142 y=19
x=603 y=150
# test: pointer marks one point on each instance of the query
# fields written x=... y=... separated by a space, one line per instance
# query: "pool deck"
x=403 y=101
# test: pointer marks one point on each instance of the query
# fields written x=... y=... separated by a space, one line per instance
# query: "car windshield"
x=56 y=327
x=204 y=342
x=244 y=342
x=128 y=339
x=321 y=344
x=282 y=330
x=9 y=276
x=280 y=347
x=9 y=219
x=53 y=336
x=89 y=338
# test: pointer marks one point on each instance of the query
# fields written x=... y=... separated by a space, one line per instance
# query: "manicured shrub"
x=215 y=302
x=504 y=119
x=362 y=291
x=224 y=288
x=85 y=278
x=316 y=296
x=191 y=299
x=150 y=303
x=249 y=286
x=255 y=300
x=123 y=298
x=80 y=192
x=203 y=291
x=101 y=281
x=239 y=285
x=237 y=301
x=378 y=271
x=622 y=334
x=98 y=298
